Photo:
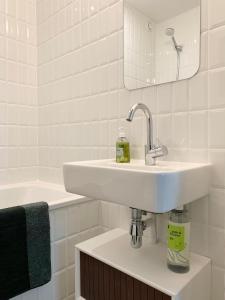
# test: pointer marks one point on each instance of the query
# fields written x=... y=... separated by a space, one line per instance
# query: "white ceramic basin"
x=157 y=188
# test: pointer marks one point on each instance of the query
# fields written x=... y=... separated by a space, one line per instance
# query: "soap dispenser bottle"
x=122 y=148
x=178 y=240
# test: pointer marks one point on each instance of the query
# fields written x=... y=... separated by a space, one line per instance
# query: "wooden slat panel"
x=151 y=293
x=83 y=275
x=106 y=281
x=166 y=297
x=111 y=284
x=158 y=295
x=102 y=282
x=130 y=288
x=144 y=291
x=96 y=278
x=87 y=271
x=117 y=284
x=123 y=286
x=137 y=290
x=91 y=278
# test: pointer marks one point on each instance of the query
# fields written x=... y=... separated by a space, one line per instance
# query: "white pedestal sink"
x=158 y=189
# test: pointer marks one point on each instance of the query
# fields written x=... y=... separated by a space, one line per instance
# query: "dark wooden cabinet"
x=102 y=282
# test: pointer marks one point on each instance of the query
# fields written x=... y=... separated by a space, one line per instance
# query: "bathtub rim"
x=63 y=202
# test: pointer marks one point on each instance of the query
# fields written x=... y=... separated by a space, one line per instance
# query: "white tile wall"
x=18 y=91
x=82 y=102
x=64 y=236
x=79 y=76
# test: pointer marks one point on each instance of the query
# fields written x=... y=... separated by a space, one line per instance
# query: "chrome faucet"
x=151 y=151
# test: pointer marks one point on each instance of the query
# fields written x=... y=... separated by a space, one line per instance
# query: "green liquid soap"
x=122 y=148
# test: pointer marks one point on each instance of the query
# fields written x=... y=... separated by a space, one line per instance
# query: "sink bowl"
x=158 y=188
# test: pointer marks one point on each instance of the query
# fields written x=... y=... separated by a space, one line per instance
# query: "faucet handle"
x=165 y=150
x=157 y=151
x=161 y=150
x=160 y=146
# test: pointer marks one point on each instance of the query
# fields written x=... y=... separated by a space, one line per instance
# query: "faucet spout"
x=149 y=121
x=151 y=151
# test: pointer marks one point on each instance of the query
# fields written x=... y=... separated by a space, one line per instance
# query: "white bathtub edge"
x=70 y=199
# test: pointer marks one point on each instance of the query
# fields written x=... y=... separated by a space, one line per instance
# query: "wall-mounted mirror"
x=161 y=41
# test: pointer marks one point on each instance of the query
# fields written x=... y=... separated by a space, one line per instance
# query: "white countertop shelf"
x=147 y=264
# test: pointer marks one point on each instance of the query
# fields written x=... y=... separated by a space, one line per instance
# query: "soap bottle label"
x=119 y=152
x=176 y=240
x=178 y=243
x=122 y=152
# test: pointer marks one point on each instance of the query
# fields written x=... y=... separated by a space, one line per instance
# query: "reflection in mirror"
x=161 y=41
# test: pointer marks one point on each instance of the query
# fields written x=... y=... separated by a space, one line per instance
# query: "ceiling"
x=160 y=10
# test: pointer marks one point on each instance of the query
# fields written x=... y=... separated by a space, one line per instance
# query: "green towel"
x=38 y=243
x=14 y=275
x=25 y=251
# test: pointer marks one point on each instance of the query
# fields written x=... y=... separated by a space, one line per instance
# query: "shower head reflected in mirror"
x=171 y=32
x=150 y=27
